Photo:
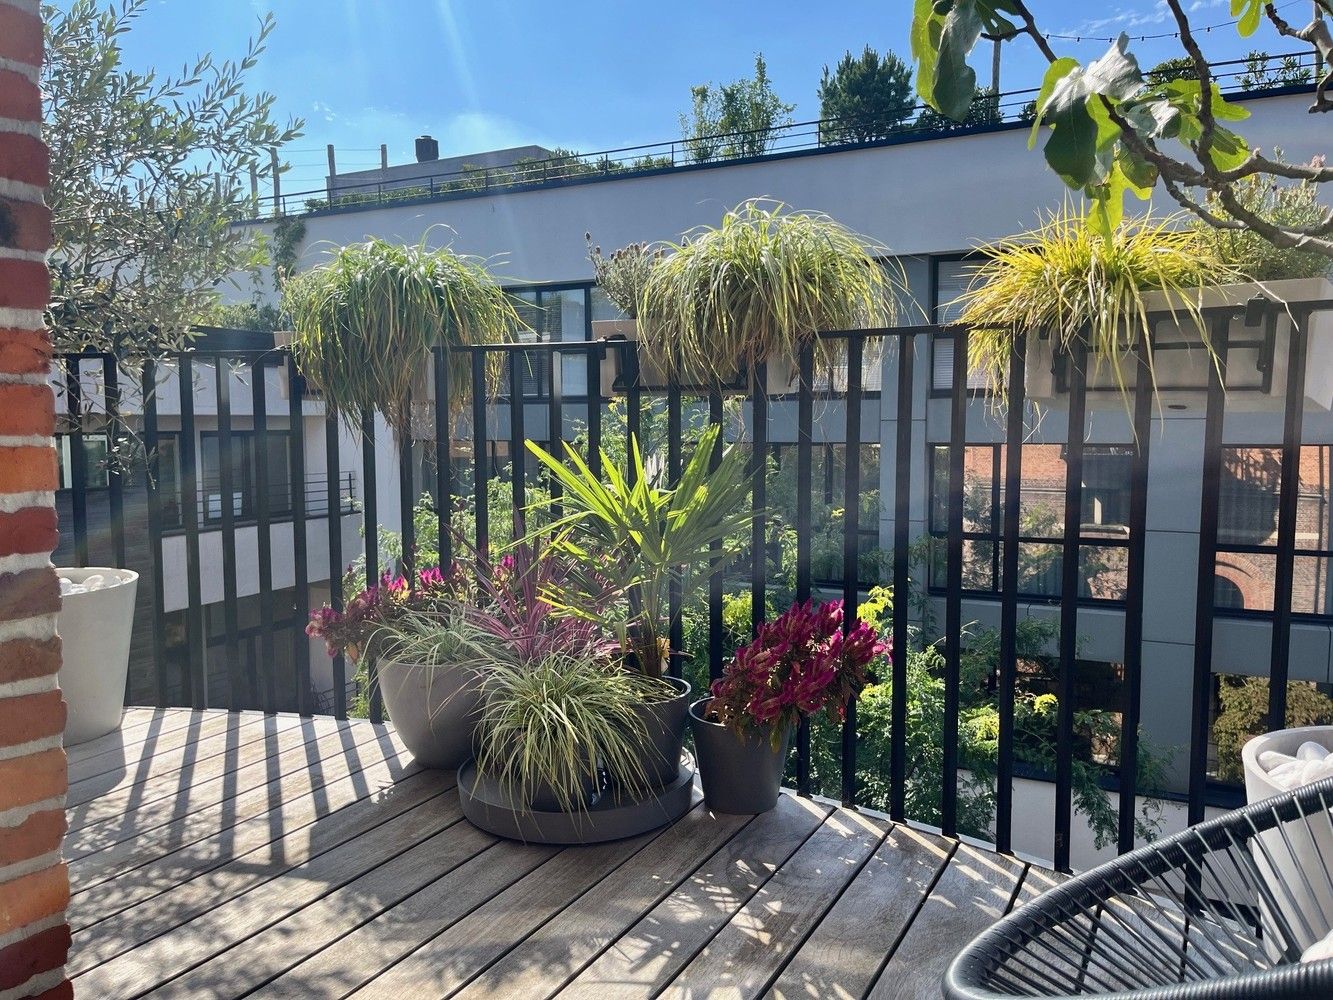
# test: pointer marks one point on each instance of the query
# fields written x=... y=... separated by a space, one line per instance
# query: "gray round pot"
x=664 y=722
x=740 y=774
x=435 y=710
x=545 y=799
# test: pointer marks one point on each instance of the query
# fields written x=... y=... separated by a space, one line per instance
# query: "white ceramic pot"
x=1292 y=871
x=95 y=632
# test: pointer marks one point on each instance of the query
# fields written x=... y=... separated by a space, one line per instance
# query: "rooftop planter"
x=365 y=322
x=755 y=289
x=1065 y=283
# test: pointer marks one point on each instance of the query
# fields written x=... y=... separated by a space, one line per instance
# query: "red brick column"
x=34 y=883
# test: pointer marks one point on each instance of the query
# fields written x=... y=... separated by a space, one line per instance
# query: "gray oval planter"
x=665 y=725
x=740 y=774
x=435 y=710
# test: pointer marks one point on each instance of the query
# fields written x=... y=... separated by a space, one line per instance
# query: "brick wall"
x=34 y=883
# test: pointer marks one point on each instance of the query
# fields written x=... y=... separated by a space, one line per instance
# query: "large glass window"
x=94 y=458
x=1247 y=523
x=243 y=458
x=1103 y=528
x=552 y=315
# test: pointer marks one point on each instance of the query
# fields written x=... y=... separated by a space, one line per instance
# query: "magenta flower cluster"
x=799 y=664
x=349 y=630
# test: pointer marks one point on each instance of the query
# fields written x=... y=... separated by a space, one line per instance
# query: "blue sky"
x=585 y=75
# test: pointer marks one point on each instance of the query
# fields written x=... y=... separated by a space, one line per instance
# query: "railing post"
x=300 y=548
x=153 y=459
x=902 y=528
x=804 y=527
x=851 y=546
x=1007 y=669
x=195 y=675
x=1069 y=597
x=263 y=533
x=953 y=617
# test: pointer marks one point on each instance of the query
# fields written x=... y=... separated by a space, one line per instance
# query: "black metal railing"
x=1257 y=74
x=443 y=465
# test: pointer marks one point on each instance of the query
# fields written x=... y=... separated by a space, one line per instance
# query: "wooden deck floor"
x=218 y=855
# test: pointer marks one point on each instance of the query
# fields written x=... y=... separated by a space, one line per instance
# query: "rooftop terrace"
x=220 y=854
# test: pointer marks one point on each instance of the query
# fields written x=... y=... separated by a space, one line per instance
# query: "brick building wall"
x=34 y=883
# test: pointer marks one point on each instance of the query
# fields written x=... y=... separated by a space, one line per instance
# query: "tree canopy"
x=865 y=98
x=734 y=119
x=145 y=181
x=1110 y=128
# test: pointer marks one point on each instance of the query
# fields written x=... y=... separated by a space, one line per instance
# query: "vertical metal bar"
x=370 y=523
x=805 y=410
x=902 y=528
x=759 y=496
x=851 y=547
x=1202 y=691
x=555 y=422
x=335 y=526
x=369 y=502
x=300 y=558
x=715 y=577
x=674 y=596
x=263 y=533
x=594 y=456
x=953 y=610
x=633 y=406
x=480 y=467
x=444 y=474
x=517 y=450
x=1069 y=587
x=154 y=505
x=196 y=682
x=407 y=502
x=1008 y=666
x=115 y=480
x=1134 y=581
x=227 y=519
x=1288 y=496
x=78 y=460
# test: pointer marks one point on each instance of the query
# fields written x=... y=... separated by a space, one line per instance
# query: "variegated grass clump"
x=1064 y=280
x=554 y=723
x=757 y=288
x=365 y=322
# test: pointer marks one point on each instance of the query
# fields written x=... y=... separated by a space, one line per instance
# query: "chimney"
x=427 y=149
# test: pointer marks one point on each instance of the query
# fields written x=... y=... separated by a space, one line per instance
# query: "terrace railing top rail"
x=1009 y=109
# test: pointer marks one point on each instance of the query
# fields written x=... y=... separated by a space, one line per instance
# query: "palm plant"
x=758 y=288
x=1066 y=280
x=632 y=538
x=366 y=320
x=548 y=728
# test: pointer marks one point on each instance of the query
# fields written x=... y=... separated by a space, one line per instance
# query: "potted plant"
x=551 y=727
x=1067 y=280
x=798 y=665
x=95 y=622
x=631 y=540
x=364 y=324
x=428 y=657
x=622 y=276
x=758 y=288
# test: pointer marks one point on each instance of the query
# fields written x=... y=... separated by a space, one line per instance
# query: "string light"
x=1206 y=29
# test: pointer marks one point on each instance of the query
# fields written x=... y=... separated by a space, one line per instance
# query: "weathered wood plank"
x=224 y=744
x=562 y=947
x=747 y=954
x=449 y=960
x=280 y=946
x=974 y=891
x=670 y=933
x=261 y=762
x=161 y=959
x=270 y=842
x=844 y=952
x=168 y=901
x=135 y=725
x=341 y=751
x=368 y=951
x=118 y=750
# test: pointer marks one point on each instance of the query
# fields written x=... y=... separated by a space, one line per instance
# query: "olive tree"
x=1111 y=129
x=146 y=175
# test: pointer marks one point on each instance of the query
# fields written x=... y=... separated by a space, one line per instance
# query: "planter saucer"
x=609 y=818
